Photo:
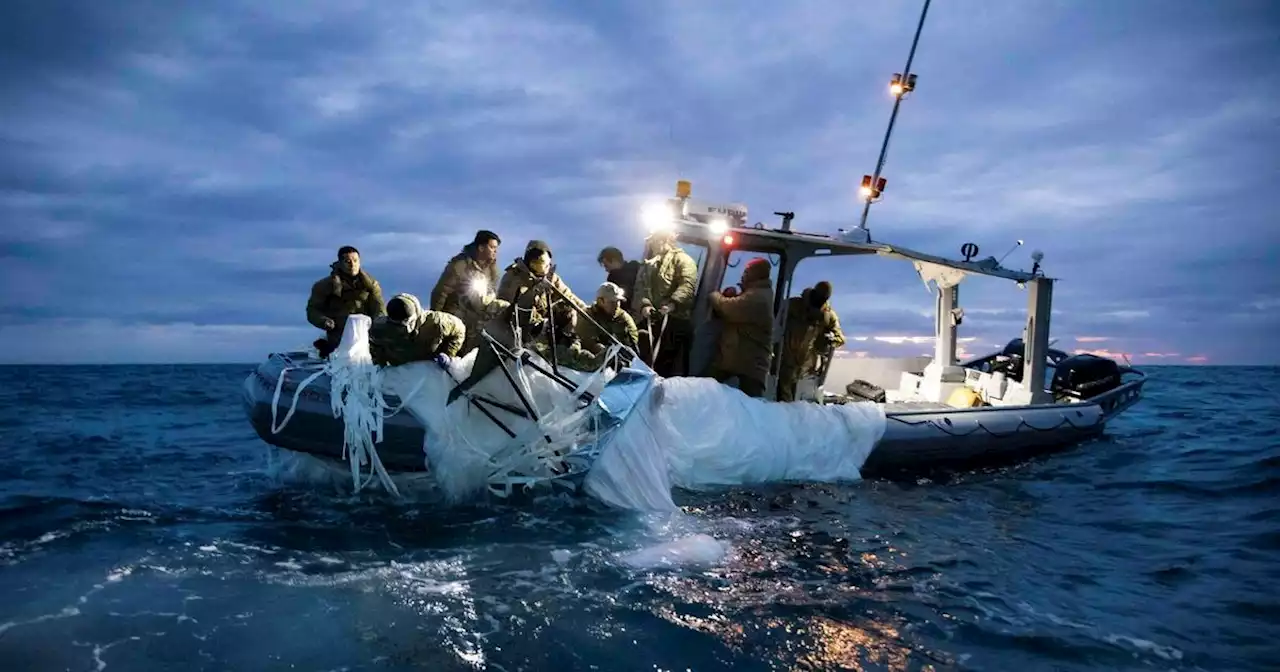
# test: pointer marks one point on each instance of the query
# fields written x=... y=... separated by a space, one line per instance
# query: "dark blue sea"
x=140 y=529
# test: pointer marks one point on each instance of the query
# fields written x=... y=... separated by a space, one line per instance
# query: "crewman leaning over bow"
x=474 y=270
x=407 y=333
x=608 y=322
x=745 y=349
x=347 y=290
x=665 y=293
x=812 y=331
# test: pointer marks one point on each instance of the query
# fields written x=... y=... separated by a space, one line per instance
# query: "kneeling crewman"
x=407 y=333
x=608 y=321
x=561 y=337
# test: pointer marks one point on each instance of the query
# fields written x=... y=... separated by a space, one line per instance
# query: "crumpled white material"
x=696 y=433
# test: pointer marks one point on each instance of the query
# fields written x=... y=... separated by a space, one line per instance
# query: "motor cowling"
x=1085 y=376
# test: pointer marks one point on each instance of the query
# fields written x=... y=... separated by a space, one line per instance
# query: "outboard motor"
x=1084 y=377
x=1010 y=360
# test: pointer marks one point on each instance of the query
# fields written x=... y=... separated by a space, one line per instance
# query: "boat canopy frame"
x=792 y=247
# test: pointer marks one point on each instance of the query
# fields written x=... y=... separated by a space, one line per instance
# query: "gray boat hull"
x=918 y=437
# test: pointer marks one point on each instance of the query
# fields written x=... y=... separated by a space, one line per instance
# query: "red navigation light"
x=728 y=239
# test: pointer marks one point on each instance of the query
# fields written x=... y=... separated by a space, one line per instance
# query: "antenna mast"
x=902 y=84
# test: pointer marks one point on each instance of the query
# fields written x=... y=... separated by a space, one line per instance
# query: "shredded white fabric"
x=355 y=396
x=466 y=451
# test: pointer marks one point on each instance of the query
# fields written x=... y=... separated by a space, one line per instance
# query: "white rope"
x=275 y=398
x=355 y=396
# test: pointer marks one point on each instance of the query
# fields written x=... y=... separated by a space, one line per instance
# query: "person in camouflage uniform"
x=812 y=330
x=745 y=348
x=527 y=274
x=347 y=290
x=665 y=287
x=474 y=270
x=608 y=322
x=407 y=333
x=563 y=333
x=519 y=311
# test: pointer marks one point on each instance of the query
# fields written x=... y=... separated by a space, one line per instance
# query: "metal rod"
x=893 y=116
x=524 y=358
x=499 y=405
x=520 y=393
x=587 y=315
x=475 y=401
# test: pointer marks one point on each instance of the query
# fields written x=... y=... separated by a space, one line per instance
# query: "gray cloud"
x=173 y=172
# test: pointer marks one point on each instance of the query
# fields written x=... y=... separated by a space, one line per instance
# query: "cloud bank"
x=173 y=176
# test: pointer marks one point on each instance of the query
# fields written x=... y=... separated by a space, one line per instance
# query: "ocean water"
x=141 y=528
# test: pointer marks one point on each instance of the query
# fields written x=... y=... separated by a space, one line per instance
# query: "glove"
x=443 y=360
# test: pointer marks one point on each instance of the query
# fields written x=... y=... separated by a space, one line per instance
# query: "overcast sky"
x=174 y=176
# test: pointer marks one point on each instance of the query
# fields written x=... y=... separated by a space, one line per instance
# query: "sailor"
x=347 y=290
x=407 y=333
x=474 y=269
x=621 y=272
x=745 y=349
x=562 y=338
x=812 y=331
x=664 y=294
x=608 y=322
x=518 y=312
x=535 y=272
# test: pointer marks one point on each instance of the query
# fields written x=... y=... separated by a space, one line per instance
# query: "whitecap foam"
x=691 y=550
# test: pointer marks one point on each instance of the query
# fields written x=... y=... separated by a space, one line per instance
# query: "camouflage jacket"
x=668 y=279
x=518 y=281
x=620 y=325
x=455 y=293
x=809 y=332
x=746 y=337
x=570 y=354
x=338 y=295
x=419 y=338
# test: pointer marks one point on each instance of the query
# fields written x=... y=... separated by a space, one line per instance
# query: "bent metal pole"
x=893 y=116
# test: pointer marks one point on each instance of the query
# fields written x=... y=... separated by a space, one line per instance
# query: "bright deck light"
x=718 y=226
x=657 y=217
x=479 y=286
